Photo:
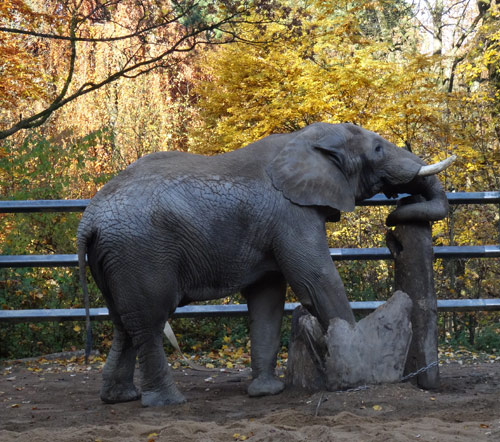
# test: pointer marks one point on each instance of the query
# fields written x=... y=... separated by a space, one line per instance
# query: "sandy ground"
x=59 y=401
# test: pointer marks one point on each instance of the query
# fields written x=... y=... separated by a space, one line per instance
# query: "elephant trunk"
x=427 y=203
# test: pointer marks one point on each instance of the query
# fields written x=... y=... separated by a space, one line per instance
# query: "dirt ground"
x=59 y=400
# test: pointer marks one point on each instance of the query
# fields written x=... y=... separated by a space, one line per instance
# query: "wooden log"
x=411 y=246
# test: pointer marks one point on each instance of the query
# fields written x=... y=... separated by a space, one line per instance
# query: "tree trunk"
x=411 y=246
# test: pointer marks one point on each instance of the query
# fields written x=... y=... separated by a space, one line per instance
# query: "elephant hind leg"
x=141 y=306
x=158 y=385
x=118 y=373
x=266 y=301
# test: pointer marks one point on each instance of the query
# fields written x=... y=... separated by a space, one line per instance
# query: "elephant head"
x=342 y=164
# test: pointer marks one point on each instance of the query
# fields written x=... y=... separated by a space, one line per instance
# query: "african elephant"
x=175 y=228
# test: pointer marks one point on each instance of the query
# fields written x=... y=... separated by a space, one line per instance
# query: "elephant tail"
x=82 y=251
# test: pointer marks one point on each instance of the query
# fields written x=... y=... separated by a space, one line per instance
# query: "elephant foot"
x=119 y=393
x=265 y=386
x=167 y=396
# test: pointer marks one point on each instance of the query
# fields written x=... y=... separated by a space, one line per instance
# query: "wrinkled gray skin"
x=174 y=228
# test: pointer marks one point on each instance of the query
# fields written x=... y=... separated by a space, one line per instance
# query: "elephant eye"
x=378 y=148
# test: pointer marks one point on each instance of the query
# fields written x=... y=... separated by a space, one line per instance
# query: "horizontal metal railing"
x=338 y=254
x=29 y=206
x=344 y=254
x=227 y=310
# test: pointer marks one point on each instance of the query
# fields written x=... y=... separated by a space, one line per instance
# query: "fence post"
x=411 y=246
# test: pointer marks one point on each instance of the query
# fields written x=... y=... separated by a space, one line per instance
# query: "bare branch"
x=90 y=39
x=134 y=66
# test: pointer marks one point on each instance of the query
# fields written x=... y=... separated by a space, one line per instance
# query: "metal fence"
x=339 y=254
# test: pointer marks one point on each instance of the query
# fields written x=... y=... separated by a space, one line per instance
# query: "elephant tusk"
x=432 y=169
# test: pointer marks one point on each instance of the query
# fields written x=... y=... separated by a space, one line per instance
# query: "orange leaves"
x=133 y=38
x=16 y=8
x=19 y=74
x=21 y=60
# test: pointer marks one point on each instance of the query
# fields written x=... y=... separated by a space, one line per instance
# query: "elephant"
x=175 y=228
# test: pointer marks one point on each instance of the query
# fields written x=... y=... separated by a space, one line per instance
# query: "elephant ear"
x=312 y=172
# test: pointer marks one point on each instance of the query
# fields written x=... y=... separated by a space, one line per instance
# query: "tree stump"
x=411 y=247
x=371 y=351
x=306 y=366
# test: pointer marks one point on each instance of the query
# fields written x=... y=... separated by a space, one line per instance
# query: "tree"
x=335 y=72
x=149 y=35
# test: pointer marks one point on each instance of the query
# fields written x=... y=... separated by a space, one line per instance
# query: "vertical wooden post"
x=411 y=247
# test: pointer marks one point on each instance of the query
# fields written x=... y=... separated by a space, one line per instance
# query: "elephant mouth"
x=388 y=190
x=391 y=194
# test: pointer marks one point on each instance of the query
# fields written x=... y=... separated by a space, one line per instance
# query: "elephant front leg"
x=316 y=282
x=323 y=294
x=118 y=373
x=266 y=301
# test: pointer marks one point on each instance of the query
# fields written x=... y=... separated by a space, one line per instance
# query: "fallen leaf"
x=377 y=407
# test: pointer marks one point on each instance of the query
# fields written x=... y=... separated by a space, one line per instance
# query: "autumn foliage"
x=89 y=86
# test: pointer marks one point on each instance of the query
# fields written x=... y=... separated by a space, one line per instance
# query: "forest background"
x=89 y=86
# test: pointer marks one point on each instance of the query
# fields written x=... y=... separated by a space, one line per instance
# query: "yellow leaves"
x=238 y=436
x=377 y=408
x=330 y=76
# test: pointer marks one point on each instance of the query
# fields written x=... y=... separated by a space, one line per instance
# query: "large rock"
x=372 y=351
